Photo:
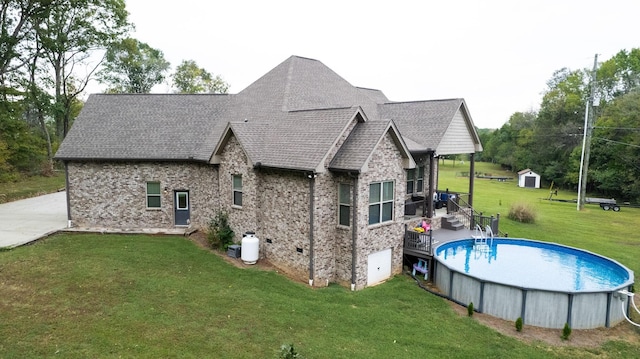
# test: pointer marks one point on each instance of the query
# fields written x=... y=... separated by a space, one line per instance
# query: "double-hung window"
x=410 y=180
x=420 y=181
x=237 y=190
x=344 y=204
x=153 y=195
x=381 y=202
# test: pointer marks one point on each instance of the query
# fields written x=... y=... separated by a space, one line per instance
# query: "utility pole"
x=586 y=139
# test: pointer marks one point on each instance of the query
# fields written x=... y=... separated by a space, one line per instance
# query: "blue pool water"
x=535 y=265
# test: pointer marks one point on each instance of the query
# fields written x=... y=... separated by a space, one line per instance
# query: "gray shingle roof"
x=289 y=118
x=296 y=140
x=147 y=127
x=355 y=152
x=423 y=122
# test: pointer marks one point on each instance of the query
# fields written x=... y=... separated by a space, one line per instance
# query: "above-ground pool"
x=545 y=284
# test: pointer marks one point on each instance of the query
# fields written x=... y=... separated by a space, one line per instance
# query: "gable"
x=457 y=138
x=362 y=144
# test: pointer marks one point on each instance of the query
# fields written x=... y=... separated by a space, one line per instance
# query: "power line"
x=618 y=142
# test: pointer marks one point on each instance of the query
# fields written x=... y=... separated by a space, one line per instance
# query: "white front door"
x=379 y=267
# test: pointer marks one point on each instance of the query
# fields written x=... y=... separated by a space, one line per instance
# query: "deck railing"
x=459 y=207
x=419 y=242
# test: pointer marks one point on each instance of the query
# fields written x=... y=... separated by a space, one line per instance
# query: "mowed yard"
x=104 y=296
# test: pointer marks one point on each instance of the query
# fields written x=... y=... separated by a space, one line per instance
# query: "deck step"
x=451 y=223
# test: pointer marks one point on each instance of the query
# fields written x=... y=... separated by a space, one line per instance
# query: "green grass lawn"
x=31 y=186
x=112 y=296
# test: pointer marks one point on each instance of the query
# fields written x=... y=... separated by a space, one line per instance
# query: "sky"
x=497 y=55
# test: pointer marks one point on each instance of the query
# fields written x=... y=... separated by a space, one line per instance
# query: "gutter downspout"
x=354 y=232
x=66 y=188
x=312 y=180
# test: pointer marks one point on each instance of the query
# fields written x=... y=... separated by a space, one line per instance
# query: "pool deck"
x=442 y=236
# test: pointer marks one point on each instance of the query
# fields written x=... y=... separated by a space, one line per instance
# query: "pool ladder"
x=483 y=238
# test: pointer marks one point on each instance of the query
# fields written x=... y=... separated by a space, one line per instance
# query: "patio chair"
x=421 y=267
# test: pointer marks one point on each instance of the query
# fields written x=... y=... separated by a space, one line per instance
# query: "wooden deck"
x=422 y=245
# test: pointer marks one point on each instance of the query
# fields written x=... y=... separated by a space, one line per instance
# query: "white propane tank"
x=250 y=248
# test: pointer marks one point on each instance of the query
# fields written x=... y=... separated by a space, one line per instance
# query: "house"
x=528 y=179
x=319 y=169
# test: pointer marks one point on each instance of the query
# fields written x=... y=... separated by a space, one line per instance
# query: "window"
x=237 y=190
x=380 y=202
x=410 y=180
x=420 y=181
x=344 y=203
x=153 y=194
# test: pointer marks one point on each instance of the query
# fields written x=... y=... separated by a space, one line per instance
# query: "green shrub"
x=566 y=331
x=522 y=212
x=287 y=351
x=519 y=324
x=470 y=309
x=219 y=233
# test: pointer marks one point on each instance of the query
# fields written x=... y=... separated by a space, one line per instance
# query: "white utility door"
x=379 y=267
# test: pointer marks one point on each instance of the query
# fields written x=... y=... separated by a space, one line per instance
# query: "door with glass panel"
x=181 y=206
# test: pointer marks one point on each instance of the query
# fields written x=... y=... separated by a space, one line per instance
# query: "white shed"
x=529 y=179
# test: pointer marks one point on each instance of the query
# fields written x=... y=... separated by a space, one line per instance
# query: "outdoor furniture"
x=421 y=267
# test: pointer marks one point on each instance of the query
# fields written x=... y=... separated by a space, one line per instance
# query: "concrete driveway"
x=30 y=219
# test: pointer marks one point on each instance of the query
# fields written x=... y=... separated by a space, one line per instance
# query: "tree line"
x=549 y=141
x=49 y=52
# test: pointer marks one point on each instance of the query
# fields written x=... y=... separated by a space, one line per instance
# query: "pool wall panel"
x=615 y=311
x=546 y=309
x=442 y=278
x=502 y=301
x=589 y=310
x=465 y=290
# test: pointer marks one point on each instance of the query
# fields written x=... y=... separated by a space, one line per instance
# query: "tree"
x=189 y=78
x=132 y=66
x=614 y=167
x=71 y=33
x=17 y=20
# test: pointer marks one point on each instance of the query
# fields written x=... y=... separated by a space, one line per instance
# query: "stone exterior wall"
x=384 y=165
x=113 y=195
x=235 y=162
x=284 y=221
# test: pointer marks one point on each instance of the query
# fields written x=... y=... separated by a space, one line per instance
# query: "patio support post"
x=429 y=200
x=472 y=170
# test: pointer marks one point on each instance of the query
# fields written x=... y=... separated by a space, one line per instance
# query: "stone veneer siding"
x=235 y=162
x=113 y=194
x=386 y=164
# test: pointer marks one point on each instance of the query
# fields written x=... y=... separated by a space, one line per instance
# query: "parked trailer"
x=605 y=203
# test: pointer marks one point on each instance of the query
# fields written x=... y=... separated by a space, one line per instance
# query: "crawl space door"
x=379 y=267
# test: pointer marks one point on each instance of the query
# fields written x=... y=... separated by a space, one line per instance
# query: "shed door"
x=530 y=181
x=181 y=205
x=379 y=266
